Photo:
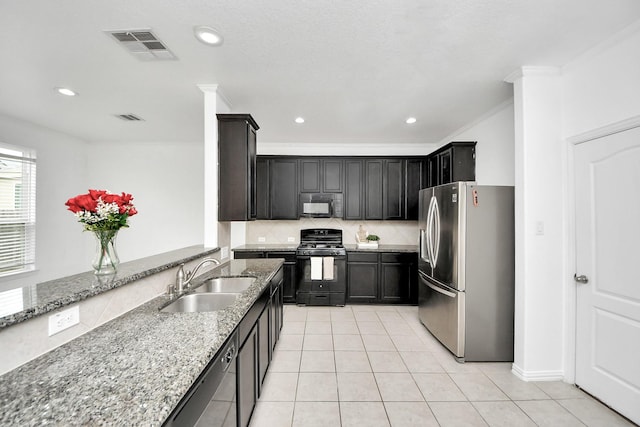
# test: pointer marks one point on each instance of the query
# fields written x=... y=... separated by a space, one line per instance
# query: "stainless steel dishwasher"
x=211 y=401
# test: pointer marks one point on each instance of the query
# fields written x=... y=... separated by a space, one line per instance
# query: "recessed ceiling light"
x=208 y=35
x=410 y=120
x=299 y=120
x=65 y=91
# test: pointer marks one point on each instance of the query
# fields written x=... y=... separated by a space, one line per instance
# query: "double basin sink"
x=213 y=295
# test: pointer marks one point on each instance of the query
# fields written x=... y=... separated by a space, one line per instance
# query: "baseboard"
x=537 y=375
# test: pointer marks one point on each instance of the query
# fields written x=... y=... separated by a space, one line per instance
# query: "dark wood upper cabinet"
x=455 y=161
x=237 y=167
x=283 y=188
x=354 y=189
x=373 y=171
x=310 y=175
x=262 y=189
x=393 y=190
x=320 y=175
x=416 y=180
x=332 y=175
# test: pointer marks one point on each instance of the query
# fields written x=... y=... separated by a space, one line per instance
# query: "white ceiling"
x=354 y=69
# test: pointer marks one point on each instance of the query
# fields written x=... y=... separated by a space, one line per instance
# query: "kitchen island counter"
x=133 y=370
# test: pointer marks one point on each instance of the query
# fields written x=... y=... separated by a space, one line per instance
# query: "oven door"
x=335 y=282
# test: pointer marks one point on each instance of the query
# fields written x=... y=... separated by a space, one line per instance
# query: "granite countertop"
x=349 y=247
x=384 y=248
x=48 y=296
x=289 y=247
x=132 y=370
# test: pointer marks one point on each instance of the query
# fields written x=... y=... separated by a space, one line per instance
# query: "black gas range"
x=322 y=262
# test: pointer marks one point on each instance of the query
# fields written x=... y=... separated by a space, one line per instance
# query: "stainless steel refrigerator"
x=466 y=269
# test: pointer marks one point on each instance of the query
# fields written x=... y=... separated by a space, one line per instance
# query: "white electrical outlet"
x=224 y=253
x=261 y=240
x=64 y=319
x=539 y=228
x=291 y=239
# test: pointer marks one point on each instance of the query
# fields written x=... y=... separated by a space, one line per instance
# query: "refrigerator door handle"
x=436 y=220
x=424 y=252
x=436 y=288
x=430 y=231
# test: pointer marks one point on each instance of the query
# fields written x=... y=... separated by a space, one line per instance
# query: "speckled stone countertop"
x=384 y=248
x=286 y=247
x=349 y=247
x=132 y=370
x=49 y=296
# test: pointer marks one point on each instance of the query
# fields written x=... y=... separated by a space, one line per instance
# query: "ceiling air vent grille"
x=129 y=117
x=142 y=44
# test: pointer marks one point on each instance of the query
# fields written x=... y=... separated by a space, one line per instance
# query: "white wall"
x=495 y=149
x=600 y=88
x=61 y=174
x=603 y=85
x=166 y=181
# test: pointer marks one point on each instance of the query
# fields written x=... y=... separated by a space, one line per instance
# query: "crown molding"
x=533 y=71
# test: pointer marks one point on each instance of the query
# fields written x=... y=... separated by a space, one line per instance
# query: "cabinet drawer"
x=288 y=256
x=247 y=254
x=362 y=257
x=398 y=257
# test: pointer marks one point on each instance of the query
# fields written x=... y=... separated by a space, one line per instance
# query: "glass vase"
x=106 y=259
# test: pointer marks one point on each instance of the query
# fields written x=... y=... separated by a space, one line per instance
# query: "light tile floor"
x=369 y=366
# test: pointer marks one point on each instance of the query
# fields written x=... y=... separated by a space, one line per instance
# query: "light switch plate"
x=291 y=239
x=64 y=319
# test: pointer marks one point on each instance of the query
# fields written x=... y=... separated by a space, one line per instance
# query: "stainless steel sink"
x=226 y=284
x=201 y=302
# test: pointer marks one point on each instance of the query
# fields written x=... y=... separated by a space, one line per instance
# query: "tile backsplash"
x=390 y=232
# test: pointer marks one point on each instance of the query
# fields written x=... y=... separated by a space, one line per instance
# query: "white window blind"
x=17 y=210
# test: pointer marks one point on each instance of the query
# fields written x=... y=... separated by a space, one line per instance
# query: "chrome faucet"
x=183 y=280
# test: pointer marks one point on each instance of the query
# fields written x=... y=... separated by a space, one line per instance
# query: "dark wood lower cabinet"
x=246 y=377
x=264 y=345
x=362 y=277
x=258 y=334
x=387 y=278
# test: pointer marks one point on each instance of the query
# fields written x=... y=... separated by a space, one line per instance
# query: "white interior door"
x=607 y=179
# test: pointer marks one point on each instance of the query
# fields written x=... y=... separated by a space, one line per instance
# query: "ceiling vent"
x=142 y=44
x=129 y=117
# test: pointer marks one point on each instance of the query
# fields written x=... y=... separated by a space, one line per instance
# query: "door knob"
x=581 y=279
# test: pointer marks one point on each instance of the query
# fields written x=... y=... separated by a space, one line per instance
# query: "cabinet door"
x=262 y=189
x=251 y=184
x=433 y=163
x=373 y=189
x=393 y=194
x=332 y=175
x=416 y=179
x=264 y=345
x=283 y=188
x=288 y=292
x=463 y=163
x=395 y=282
x=354 y=189
x=247 y=378
x=309 y=175
x=362 y=277
x=444 y=160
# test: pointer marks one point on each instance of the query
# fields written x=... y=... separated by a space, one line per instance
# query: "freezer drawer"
x=441 y=311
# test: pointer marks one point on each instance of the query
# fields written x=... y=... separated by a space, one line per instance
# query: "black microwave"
x=320 y=205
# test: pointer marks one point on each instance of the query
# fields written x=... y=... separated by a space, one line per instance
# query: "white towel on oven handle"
x=316 y=268
x=327 y=268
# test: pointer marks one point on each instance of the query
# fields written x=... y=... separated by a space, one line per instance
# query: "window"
x=17 y=209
